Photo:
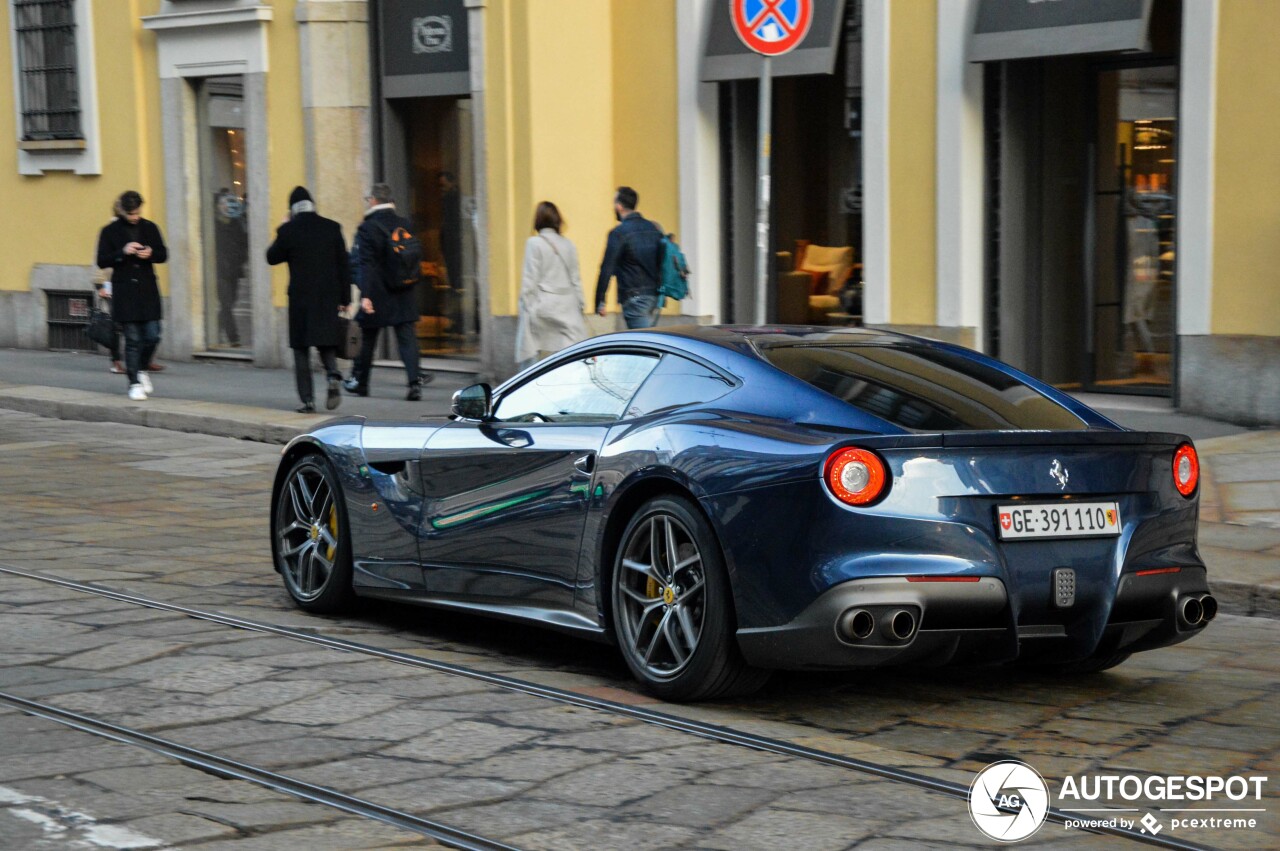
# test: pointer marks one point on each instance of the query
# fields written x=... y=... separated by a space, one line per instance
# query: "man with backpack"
x=389 y=257
x=634 y=254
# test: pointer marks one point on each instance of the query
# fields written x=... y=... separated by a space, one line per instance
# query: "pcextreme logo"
x=1009 y=801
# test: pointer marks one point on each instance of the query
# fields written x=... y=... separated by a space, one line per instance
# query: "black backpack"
x=403 y=253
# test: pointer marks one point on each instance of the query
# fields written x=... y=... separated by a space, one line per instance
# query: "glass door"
x=1131 y=311
x=440 y=203
x=224 y=185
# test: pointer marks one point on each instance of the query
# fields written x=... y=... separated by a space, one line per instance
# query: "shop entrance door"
x=1130 y=327
x=440 y=199
x=224 y=214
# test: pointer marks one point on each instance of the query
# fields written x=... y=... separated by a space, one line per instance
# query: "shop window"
x=815 y=228
x=225 y=214
x=439 y=201
x=1136 y=206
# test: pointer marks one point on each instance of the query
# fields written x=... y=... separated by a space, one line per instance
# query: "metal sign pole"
x=762 y=194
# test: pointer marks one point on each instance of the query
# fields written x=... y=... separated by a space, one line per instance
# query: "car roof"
x=763 y=336
x=749 y=342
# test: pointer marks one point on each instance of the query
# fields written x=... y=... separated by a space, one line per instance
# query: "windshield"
x=921 y=388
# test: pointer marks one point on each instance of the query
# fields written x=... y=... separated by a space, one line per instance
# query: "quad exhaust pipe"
x=1198 y=611
x=1192 y=611
x=896 y=626
x=899 y=625
x=1209 y=606
x=857 y=624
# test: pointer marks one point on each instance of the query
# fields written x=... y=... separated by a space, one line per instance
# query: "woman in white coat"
x=551 y=300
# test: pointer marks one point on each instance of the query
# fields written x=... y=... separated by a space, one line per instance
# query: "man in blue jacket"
x=634 y=255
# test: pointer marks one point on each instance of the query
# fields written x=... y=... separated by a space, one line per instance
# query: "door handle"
x=586 y=463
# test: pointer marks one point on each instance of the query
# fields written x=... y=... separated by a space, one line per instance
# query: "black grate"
x=68 y=319
x=45 y=33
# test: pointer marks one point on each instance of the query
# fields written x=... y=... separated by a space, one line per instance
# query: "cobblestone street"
x=183 y=518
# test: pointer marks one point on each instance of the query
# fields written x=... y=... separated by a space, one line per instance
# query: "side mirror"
x=474 y=403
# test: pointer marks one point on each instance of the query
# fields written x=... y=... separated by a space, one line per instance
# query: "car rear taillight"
x=856 y=476
x=1186 y=469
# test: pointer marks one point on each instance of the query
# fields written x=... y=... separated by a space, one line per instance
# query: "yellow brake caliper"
x=651 y=590
x=333 y=530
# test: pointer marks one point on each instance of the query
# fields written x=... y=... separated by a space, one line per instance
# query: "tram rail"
x=702 y=729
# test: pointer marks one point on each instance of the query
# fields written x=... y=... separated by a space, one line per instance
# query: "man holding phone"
x=131 y=246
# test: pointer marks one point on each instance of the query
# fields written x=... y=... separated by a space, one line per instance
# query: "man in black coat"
x=131 y=246
x=381 y=306
x=319 y=292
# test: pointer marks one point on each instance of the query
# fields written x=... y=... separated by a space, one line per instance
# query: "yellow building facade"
x=1094 y=204
x=215 y=110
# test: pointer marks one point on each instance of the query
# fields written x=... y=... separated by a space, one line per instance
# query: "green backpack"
x=674 y=272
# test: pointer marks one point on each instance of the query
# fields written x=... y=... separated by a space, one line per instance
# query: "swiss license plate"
x=1058 y=520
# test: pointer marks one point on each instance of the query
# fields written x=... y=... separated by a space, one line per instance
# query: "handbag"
x=101 y=328
x=351 y=340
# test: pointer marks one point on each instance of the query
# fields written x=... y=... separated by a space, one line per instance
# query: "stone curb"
x=244 y=422
x=1241 y=598
x=236 y=421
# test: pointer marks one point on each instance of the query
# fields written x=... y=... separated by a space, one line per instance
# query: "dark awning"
x=425 y=48
x=1021 y=29
x=727 y=58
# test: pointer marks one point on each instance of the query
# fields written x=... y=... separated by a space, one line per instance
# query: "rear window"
x=921 y=388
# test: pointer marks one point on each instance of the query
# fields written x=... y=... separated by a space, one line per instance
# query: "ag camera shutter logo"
x=1008 y=801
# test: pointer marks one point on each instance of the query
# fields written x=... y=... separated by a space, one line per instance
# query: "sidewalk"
x=1240 y=469
x=217 y=398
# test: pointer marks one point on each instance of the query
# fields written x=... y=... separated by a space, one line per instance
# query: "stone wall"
x=1231 y=377
x=24 y=314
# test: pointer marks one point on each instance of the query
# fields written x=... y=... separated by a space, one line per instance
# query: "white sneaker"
x=146 y=383
x=137 y=392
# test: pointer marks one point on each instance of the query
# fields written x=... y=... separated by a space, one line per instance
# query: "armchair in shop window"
x=829 y=268
x=792 y=301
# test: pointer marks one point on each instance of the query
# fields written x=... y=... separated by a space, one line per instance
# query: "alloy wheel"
x=307 y=532
x=662 y=595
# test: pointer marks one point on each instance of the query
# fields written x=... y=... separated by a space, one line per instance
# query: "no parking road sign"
x=771 y=27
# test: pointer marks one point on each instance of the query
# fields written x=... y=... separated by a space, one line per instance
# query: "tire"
x=310 y=541
x=676 y=627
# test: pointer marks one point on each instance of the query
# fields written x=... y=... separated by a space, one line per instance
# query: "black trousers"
x=302 y=370
x=140 y=342
x=406 y=342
